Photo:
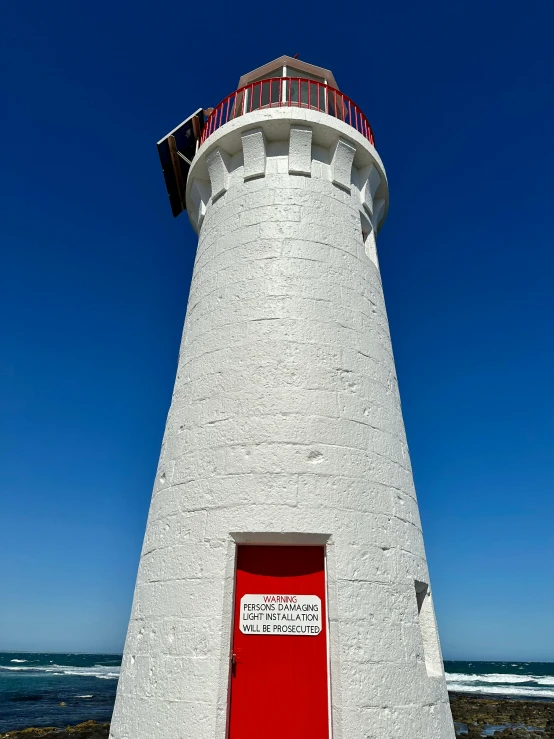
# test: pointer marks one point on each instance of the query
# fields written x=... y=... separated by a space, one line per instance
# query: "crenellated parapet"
x=289 y=143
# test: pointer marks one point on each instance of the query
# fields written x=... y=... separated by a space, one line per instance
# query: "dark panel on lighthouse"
x=176 y=151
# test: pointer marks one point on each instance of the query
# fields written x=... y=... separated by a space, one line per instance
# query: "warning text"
x=295 y=615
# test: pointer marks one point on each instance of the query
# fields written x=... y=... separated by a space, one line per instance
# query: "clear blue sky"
x=95 y=274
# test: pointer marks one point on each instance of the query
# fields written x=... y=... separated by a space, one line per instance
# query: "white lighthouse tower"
x=283 y=589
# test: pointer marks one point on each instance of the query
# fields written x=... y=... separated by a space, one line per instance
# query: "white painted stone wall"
x=285 y=426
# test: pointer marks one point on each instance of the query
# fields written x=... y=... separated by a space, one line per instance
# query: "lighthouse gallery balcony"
x=294 y=92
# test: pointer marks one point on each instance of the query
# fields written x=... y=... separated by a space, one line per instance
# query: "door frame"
x=278 y=539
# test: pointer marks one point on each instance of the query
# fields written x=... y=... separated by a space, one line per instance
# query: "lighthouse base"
x=279 y=639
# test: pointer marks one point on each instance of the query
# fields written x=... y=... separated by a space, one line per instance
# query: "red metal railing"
x=278 y=92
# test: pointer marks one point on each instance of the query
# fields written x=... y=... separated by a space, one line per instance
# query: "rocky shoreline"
x=86 y=730
x=515 y=719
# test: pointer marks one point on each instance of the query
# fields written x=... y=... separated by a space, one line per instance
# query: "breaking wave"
x=103 y=672
x=530 y=686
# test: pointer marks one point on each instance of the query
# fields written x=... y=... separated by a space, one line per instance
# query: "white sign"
x=295 y=615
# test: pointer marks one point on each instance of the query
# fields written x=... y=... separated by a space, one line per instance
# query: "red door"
x=279 y=673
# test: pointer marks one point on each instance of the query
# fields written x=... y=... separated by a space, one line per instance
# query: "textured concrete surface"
x=285 y=425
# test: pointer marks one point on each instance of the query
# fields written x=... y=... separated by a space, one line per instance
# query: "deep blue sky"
x=95 y=274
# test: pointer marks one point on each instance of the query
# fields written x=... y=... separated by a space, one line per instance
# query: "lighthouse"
x=283 y=589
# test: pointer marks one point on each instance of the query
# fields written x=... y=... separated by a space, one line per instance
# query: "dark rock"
x=475 y=712
x=86 y=730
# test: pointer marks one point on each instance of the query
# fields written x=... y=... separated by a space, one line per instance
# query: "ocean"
x=63 y=689
x=523 y=680
x=56 y=689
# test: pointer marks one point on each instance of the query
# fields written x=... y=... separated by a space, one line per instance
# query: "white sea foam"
x=532 y=686
x=84 y=696
x=523 y=692
x=500 y=678
x=104 y=672
x=18 y=660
